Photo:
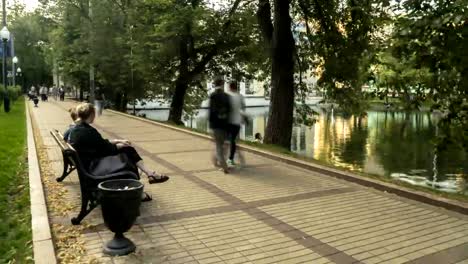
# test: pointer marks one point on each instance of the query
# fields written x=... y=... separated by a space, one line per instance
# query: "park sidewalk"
x=268 y=212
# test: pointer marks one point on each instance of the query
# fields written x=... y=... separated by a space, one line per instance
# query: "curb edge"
x=43 y=246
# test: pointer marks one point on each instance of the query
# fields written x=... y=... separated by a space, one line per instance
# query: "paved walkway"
x=268 y=212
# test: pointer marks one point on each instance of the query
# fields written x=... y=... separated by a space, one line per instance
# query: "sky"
x=30 y=4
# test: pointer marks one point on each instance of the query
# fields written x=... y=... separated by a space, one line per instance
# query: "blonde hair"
x=73 y=114
x=85 y=110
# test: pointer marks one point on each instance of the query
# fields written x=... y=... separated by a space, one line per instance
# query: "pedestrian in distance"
x=219 y=113
x=42 y=93
x=30 y=95
x=46 y=94
x=35 y=100
x=258 y=138
x=99 y=101
x=55 y=92
x=62 y=94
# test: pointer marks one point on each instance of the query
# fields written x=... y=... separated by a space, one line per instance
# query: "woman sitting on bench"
x=90 y=145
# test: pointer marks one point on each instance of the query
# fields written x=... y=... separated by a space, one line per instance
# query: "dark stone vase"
x=120 y=204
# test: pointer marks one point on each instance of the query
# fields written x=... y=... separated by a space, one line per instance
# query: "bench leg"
x=67 y=169
x=85 y=202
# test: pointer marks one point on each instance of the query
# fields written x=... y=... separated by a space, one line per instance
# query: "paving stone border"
x=43 y=246
x=426 y=246
x=252 y=209
x=419 y=196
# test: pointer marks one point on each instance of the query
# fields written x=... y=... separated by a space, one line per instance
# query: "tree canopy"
x=169 y=49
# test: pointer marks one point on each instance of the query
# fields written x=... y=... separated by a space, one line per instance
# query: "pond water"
x=392 y=144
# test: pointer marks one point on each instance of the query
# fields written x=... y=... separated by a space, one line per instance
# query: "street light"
x=15 y=61
x=5 y=35
x=18 y=72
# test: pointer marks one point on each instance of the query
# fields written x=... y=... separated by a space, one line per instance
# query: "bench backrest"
x=86 y=179
x=68 y=152
x=58 y=137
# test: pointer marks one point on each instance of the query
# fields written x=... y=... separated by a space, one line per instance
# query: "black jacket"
x=90 y=145
x=219 y=110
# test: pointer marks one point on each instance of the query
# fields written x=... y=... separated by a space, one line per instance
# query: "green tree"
x=400 y=75
x=30 y=31
x=435 y=34
x=178 y=48
x=69 y=45
x=343 y=38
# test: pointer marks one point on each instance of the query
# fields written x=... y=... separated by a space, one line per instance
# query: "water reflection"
x=392 y=144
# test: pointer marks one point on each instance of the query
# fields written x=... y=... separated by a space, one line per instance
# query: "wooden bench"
x=68 y=166
x=88 y=182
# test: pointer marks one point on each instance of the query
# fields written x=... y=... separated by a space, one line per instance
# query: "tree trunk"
x=280 y=123
x=181 y=85
x=177 y=103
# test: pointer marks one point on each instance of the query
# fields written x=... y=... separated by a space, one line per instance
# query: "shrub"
x=14 y=92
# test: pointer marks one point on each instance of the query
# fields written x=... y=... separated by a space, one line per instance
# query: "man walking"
x=219 y=113
x=42 y=92
x=99 y=101
x=62 y=93
x=235 y=120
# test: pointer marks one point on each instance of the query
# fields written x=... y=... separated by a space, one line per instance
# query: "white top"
x=237 y=108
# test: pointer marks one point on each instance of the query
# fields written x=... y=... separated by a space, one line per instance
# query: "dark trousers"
x=233 y=133
x=219 y=136
x=131 y=153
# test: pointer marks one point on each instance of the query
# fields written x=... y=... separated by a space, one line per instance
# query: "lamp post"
x=18 y=72
x=5 y=35
x=131 y=69
x=13 y=69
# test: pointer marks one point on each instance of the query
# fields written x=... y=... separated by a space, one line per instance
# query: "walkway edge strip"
x=43 y=246
x=419 y=196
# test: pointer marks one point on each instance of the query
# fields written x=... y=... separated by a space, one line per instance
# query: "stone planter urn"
x=120 y=204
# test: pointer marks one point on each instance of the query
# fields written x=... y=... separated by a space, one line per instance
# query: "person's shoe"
x=230 y=163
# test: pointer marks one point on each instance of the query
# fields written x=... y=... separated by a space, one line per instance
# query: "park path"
x=267 y=212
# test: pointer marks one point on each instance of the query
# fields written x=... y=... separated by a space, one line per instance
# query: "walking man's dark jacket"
x=219 y=109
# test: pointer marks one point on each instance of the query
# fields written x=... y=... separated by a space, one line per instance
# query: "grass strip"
x=15 y=213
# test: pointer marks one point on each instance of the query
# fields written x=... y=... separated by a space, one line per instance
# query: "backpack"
x=220 y=109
